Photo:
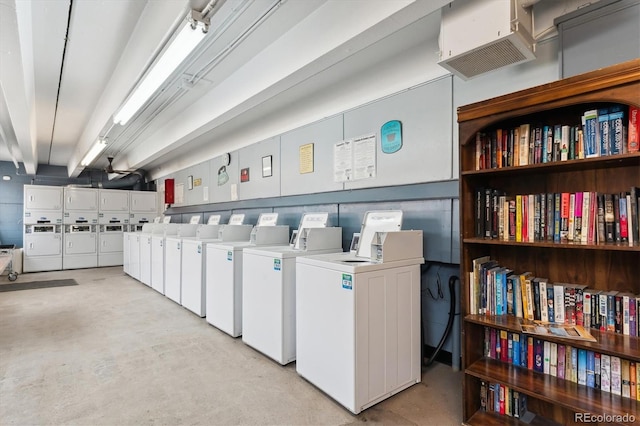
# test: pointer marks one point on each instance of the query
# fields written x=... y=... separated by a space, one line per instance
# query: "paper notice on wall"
x=343 y=161
x=234 y=192
x=364 y=157
x=179 y=193
x=305 y=158
x=354 y=159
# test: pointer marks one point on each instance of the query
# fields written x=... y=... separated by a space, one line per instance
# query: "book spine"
x=550 y=301
x=558 y=303
x=582 y=366
x=624 y=224
x=556 y=218
x=596 y=375
x=577 y=235
x=564 y=217
x=557 y=142
x=561 y=361
x=590 y=126
x=617 y=121
x=550 y=216
x=603 y=127
x=544 y=314
x=584 y=235
x=616 y=375
x=519 y=218
x=633 y=391
x=633 y=134
x=564 y=147
x=591 y=368
x=605 y=373
x=572 y=212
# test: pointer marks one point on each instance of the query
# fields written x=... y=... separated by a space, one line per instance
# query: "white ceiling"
x=265 y=67
x=67 y=65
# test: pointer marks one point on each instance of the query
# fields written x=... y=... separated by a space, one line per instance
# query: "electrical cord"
x=447 y=330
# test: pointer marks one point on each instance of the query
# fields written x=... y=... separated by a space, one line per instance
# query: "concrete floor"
x=112 y=351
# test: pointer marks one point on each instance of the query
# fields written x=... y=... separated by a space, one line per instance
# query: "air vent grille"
x=487 y=58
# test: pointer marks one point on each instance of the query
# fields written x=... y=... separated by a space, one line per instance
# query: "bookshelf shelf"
x=607 y=342
x=619 y=160
x=490 y=419
x=601 y=267
x=570 y=246
x=578 y=399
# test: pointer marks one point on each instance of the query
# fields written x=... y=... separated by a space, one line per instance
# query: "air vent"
x=481 y=36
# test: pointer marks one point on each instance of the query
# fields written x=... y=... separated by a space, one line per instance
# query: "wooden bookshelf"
x=599 y=266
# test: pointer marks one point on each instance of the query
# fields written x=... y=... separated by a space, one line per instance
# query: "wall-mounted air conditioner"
x=478 y=36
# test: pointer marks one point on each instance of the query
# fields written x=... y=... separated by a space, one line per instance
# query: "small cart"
x=6 y=260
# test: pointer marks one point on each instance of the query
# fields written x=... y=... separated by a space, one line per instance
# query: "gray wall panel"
x=455 y=231
x=251 y=157
x=196 y=195
x=323 y=134
x=251 y=215
x=291 y=215
x=222 y=193
x=586 y=47
x=432 y=216
x=426 y=153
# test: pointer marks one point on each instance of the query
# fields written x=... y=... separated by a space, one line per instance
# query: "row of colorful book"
x=566 y=217
x=607 y=373
x=498 y=290
x=501 y=399
x=602 y=132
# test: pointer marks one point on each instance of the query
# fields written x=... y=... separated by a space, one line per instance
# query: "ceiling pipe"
x=133 y=181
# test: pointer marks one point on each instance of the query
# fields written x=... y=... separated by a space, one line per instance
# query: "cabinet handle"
x=30 y=245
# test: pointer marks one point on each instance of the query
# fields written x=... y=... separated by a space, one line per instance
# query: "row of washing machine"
x=350 y=320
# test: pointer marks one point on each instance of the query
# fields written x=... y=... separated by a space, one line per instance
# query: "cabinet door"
x=143 y=202
x=80 y=199
x=114 y=201
x=42 y=197
x=45 y=244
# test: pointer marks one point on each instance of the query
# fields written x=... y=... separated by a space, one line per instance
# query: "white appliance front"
x=157 y=263
x=145 y=258
x=42 y=248
x=42 y=204
x=358 y=328
x=113 y=201
x=172 y=268
x=224 y=286
x=192 y=289
x=126 y=243
x=110 y=245
x=268 y=300
x=80 y=247
x=134 y=255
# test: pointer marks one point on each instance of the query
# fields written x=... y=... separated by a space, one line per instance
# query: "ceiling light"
x=189 y=35
x=6 y=177
x=93 y=152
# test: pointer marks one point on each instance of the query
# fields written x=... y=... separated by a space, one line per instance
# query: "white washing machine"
x=111 y=244
x=159 y=233
x=173 y=261
x=269 y=287
x=194 y=271
x=358 y=315
x=126 y=243
x=134 y=247
x=224 y=287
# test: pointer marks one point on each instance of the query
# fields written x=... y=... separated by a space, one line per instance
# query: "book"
x=558 y=303
x=625 y=378
x=617 y=134
x=550 y=217
x=544 y=312
x=556 y=217
x=605 y=373
x=557 y=142
x=582 y=366
x=577 y=221
x=538 y=351
x=624 y=225
x=572 y=212
x=616 y=375
x=616 y=217
x=596 y=370
x=561 y=354
x=553 y=359
x=590 y=131
x=546 y=357
x=609 y=218
x=515 y=359
x=564 y=142
x=591 y=369
x=633 y=391
x=564 y=216
x=633 y=134
x=586 y=307
x=599 y=218
x=550 y=300
x=524 y=145
x=566 y=331
x=603 y=131
x=548 y=144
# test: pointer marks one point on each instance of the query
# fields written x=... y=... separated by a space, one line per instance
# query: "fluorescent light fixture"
x=188 y=37
x=93 y=152
x=6 y=177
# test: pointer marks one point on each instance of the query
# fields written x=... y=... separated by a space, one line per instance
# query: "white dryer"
x=269 y=287
x=113 y=218
x=358 y=315
x=42 y=232
x=224 y=286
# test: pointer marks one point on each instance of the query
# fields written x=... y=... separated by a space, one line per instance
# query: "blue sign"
x=391 y=136
x=347 y=281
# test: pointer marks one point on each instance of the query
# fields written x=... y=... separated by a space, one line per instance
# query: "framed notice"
x=244 y=175
x=266 y=166
x=189 y=182
x=305 y=158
